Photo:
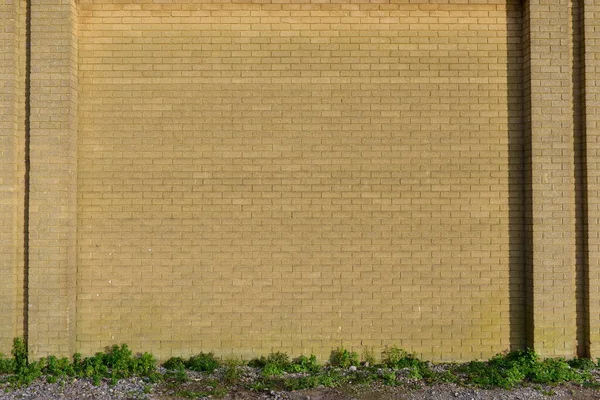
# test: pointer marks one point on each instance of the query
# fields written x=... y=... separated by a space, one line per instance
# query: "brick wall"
x=12 y=109
x=52 y=178
x=253 y=176
x=257 y=177
x=552 y=178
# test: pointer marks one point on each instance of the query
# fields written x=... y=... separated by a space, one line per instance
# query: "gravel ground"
x=136 y=388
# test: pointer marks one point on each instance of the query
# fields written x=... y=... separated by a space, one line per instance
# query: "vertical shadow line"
x=27 y=170
x=581 y=195
x=516 y=178
x=527 y=184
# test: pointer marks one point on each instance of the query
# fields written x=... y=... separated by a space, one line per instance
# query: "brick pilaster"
x=52 y=205
x=552 y=285
x=11 y=161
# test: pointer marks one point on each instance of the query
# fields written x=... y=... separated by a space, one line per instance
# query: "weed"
x=305 y=364
x=232 y=371
x=20 y=356
x=503 y=370
x=557 y=370
x=548 y=392
x=179 y=376
x=584 y=364
x=6 y=365
x=362 y=376
x=389 y=378
x=174 y=363
x=279 y=363
x=326 y=378
x=514 y=368
x=276 y=364
x=394 y=357
x=343 y=358
x=57 y=367
x=205 y=389
x=368 y=356
x=203 y=362
x=258 y=386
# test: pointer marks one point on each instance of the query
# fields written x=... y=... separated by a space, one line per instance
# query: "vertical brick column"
x=592 y=126
x=52 y=199
x=552 y=295
x=11 y=182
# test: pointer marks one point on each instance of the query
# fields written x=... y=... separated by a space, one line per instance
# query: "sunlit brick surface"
x=295 y=176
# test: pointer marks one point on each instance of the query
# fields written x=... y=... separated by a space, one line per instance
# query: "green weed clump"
x=280 y=372
x=274 y=364
x=399 y=359
x=343 y=358
x=322 y=378
x=174 y=363
x=305 y=364
x=394 y=357
x=279 y=363
x=20 y=372
x=233 y=371
x=203 y=362
x=522 y=366
x=114 y=364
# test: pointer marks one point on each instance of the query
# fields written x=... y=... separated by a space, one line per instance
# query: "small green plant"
x=203 y=362
x=389 y=378
x=117 y=362
x=305 y=364
x=368 y=356
x=20 y=356
x=178 y=375
x=584 y=364
x=56 y=368
x=202 y=389
x=343 y=358
x=325 y=378
x=232 y=371
x=174 y=363
x=394 y=357
x=276 y=364
x=557 y=370
x=6 y=365
x=279 y=363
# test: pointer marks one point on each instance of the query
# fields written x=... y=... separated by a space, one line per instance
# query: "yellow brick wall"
x=12 y=109
x=295 y=176
x=52 y=214
x=552 y=184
